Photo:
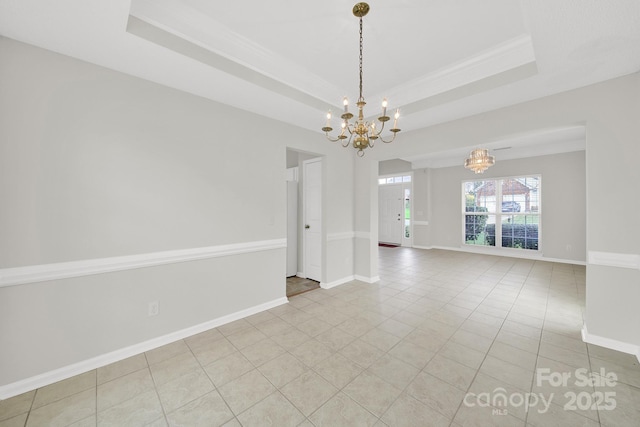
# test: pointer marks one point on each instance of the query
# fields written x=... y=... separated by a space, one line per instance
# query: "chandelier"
x=361 y=133
x=479 y=160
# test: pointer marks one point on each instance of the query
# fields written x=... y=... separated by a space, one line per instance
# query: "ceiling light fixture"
x=479 y=160
x=362 y=133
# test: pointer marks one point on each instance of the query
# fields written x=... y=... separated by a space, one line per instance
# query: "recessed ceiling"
x=438 y=60
x=540 y=143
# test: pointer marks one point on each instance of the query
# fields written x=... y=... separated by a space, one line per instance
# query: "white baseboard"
x=337 y=282
x=373 y=279
x=23 y=386
x=610 y=343
x=514 y=253
x=422 y=247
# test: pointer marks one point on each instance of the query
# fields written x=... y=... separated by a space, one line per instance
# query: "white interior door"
x=312 y=205
x=390 y=220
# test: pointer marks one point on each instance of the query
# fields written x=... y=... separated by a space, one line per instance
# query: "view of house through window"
x=502 y=212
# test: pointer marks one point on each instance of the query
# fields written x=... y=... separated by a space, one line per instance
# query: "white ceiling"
x=437 y=60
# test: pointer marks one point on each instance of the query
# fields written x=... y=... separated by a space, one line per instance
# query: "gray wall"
x=609 y=110
x=393 y=166
x=563 y=228
x=97 y=164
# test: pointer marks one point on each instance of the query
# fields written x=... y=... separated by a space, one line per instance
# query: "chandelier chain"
x=361 y=98
x=361 y=133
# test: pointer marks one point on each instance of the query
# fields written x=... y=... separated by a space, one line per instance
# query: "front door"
x=390 y=218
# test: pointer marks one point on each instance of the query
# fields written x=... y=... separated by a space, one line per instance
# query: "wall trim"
x=362 y=235
x=28 y=384
x=341 y=236
x=610 y=343
x=337 y=282
x=422 y=247
x=63 y=270
x=610 y=259
x=373 y=279
x=537 y=257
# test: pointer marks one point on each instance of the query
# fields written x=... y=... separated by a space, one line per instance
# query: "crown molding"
x=503 y=57
x=193 y=26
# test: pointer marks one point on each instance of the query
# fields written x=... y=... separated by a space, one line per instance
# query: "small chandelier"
x=361 y=132
x=479 y=160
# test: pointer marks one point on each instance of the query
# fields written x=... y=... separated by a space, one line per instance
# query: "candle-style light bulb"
x=384 y=107
x=345 y=102
x=395 y=121
x=329 y=118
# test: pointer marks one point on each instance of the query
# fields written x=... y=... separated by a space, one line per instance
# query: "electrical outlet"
x=153 y=308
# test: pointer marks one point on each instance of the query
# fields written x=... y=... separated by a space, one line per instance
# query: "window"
x=407 y=213
x=513 y=203
x=394 y=180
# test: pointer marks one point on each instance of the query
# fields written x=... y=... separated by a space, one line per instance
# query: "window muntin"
x=394 y=180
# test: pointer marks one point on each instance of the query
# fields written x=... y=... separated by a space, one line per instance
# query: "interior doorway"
x=292 y=221
x=298 y=285
x=304 y=208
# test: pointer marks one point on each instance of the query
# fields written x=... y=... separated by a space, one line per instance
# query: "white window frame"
x=499 y=214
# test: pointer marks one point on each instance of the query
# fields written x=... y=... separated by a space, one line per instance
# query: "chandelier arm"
x=381 y=128
x=348 y=141
x=330 y=138
x=389 y=141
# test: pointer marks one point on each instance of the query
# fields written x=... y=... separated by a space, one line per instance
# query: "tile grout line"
x=155 y=388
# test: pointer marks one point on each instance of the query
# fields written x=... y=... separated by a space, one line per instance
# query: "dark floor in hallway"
x=297 y=285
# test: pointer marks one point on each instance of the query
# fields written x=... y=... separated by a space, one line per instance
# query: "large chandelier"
x=479 y=160
x=362 y=133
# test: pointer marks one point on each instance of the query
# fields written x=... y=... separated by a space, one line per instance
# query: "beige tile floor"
x=439 y=339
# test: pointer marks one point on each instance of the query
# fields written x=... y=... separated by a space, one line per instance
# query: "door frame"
x=406 y=242
x=303 y=264
x=396 y=206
